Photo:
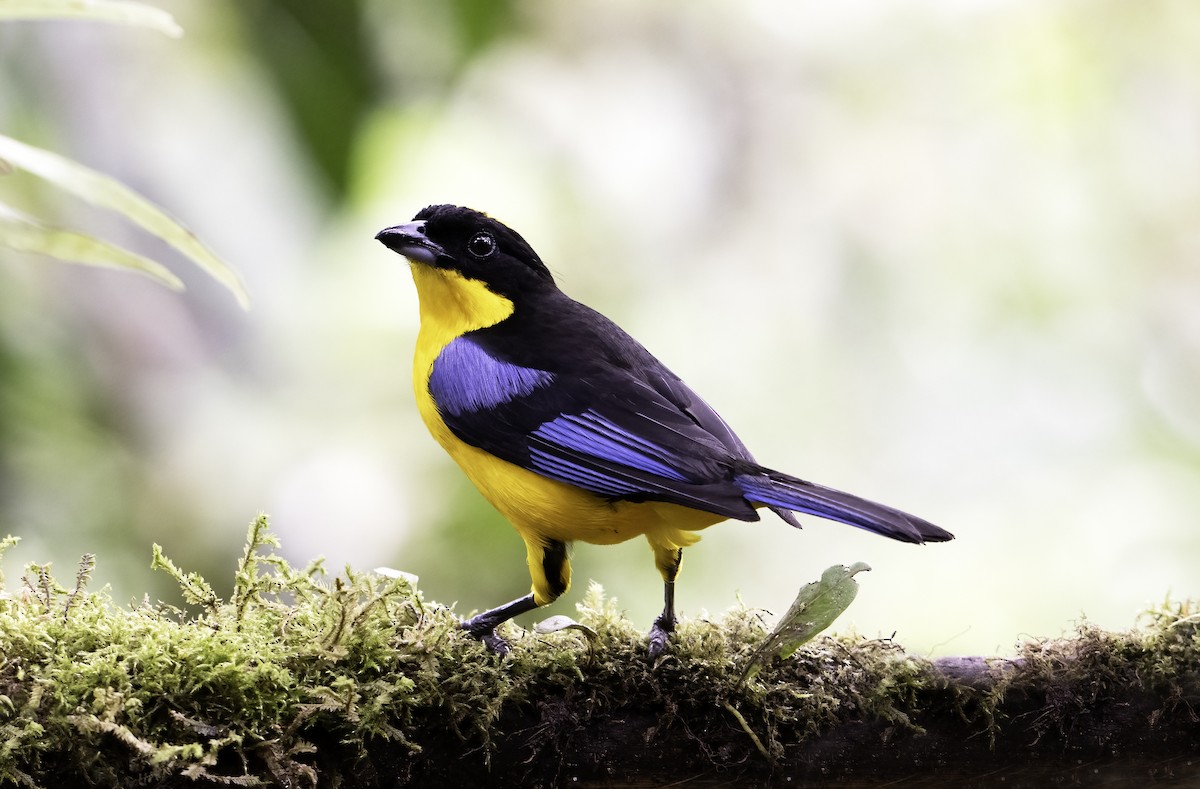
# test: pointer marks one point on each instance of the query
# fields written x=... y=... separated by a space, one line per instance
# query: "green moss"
x=1083 y=673
x=246 y=679
x=298 y=673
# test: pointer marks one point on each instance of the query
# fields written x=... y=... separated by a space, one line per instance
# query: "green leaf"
x=816 y=607
x=25 y=235
x=556 y=623
x=109 y=193
x=125 y=13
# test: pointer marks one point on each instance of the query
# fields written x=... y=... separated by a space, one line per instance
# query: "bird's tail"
x=779 y=491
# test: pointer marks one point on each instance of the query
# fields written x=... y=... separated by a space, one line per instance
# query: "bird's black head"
x=472 y=244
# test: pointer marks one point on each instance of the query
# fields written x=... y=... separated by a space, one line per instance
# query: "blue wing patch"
x=466 y=378
x=566 y=471
x=591 y=435
x=595 y=453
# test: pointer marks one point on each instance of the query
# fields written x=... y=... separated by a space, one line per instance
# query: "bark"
x=1042 y=732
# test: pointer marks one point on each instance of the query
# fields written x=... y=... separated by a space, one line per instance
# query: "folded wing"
x=612 y=432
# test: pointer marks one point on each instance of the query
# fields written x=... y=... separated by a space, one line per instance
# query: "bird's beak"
x=410 y=240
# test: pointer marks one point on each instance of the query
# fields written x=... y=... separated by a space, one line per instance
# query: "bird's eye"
x=482 y=245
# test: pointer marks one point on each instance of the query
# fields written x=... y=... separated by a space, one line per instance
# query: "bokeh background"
x=942 y=254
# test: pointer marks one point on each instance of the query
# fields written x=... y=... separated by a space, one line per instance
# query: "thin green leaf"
x=27 y=236
x=109 y=193
x=816 y=607
x=125 y=13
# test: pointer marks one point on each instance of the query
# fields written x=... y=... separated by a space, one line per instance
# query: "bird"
x=571 y=428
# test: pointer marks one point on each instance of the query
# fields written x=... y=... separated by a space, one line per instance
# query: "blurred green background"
x=944 y=255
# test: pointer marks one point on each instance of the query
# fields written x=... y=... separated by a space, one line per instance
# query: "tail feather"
x=778 y=490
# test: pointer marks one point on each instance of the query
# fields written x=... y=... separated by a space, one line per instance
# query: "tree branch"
x=361 y=682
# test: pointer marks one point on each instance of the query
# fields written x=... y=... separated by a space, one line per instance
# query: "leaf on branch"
x=560 y=622
x=106 y=192
x=816 y=607
x=118 y=11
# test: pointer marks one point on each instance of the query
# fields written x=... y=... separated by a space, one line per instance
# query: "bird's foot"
x=483 y=626
x=486 y=632
x=660 y=635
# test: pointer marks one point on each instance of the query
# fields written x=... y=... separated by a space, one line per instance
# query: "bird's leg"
x=551 y=574
x=660 y=632
x=483 y=626
x=664 y=626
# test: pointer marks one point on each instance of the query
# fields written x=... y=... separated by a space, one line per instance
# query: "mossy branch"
x=298 y=680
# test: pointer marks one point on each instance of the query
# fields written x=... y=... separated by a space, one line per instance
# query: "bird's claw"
x=495 y=643
x=487 y=635
x=660 y=636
